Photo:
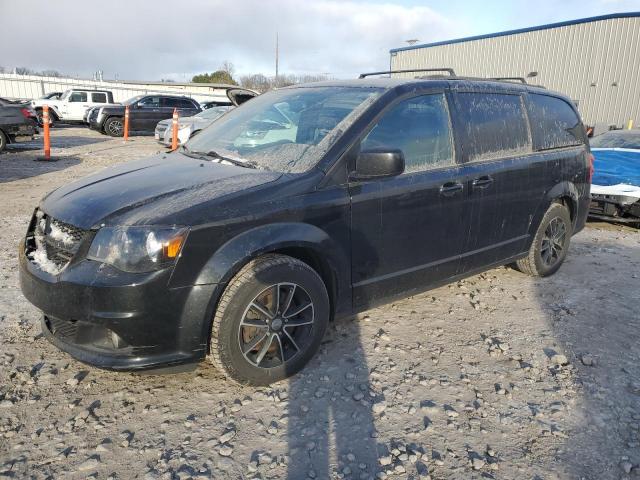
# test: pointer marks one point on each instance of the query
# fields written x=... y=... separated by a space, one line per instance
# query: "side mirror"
x=374 y=164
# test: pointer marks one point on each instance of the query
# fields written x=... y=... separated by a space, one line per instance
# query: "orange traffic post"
x=126 y=123
x=174 y=133
x=47 y=139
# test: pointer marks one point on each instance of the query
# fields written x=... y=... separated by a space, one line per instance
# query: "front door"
x=145 y=115
x=408 y=232
x=77 y=104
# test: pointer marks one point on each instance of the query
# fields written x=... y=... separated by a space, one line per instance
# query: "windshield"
x=287 y=130
x=65 y=95
x=623 y=139
x=133 y=100
x=213 y=112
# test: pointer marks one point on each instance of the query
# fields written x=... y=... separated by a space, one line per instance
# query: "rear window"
x=99 y=97
x=554 y=124
x=494 y=125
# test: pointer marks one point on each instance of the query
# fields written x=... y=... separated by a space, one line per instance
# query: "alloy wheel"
x=553 y=242
x=276 y=325
x=115 y=127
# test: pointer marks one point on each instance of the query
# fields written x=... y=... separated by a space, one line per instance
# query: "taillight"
x=26 y=113
x=591 y=168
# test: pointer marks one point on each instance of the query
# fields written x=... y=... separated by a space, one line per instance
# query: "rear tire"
x=3 y=141
x=550 y=244
x=114 y=127
x=270 y=320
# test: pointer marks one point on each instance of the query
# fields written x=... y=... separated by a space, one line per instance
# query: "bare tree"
x=23 y=71
x=228 y=67
x=261 y=83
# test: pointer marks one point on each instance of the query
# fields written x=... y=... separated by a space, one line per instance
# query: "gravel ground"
x=498 y=376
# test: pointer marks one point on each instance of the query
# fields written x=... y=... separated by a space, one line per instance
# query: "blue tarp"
x=616 y=166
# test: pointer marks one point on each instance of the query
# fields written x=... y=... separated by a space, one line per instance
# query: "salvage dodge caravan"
x=305 y=204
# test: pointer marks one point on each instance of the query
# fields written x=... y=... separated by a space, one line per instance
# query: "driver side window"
x=420 y=127
x=150 y=102
x=78 y=97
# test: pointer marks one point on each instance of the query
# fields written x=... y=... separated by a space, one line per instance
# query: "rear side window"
x=170 y=102
x=184 y=103
x=420 y=127
x=99 y=97
x=494 y=125
x=554 y=124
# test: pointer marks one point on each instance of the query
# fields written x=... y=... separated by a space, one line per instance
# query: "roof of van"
x=455 y=83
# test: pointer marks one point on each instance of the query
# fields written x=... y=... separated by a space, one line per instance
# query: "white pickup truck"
x=72 y=104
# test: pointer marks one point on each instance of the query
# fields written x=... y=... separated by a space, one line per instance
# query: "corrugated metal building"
x=31 y=86
x=595 y=61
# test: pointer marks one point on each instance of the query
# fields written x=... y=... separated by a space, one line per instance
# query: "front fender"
x=236 y=252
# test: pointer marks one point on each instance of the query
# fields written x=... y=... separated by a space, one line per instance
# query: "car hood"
x=156 y=190
x=199 y=121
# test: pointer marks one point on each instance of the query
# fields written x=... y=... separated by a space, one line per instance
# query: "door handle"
x=451 y=188
x=482 y=182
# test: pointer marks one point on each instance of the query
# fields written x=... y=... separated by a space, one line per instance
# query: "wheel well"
x=569 y=203
x=316 y=262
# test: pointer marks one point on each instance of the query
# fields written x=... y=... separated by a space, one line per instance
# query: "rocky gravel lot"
x=499 y=376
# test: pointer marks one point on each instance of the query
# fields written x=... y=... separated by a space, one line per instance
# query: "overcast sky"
x=150 y=40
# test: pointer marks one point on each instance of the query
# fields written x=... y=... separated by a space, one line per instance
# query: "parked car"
x=245 y=253
x=17 y=122
x=51 y=96
x=145 y=111
x=72 y=104
x=189 y=126
x=236 y=96
x=615 y=193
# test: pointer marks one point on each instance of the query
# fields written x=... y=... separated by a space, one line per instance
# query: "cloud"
x=170 y=38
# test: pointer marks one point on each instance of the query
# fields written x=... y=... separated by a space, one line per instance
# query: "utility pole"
x=276 y=82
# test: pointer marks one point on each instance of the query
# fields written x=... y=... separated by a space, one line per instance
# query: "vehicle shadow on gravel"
x=593 y=317
x=335 y=416
x=13 y=167
x=331 y=428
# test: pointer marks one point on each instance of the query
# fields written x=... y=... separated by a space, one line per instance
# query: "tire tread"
x=245 y=275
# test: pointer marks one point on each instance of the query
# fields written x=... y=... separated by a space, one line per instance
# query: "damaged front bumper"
x=117 y=320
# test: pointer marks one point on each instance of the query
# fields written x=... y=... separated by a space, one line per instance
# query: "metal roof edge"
x=519 y=30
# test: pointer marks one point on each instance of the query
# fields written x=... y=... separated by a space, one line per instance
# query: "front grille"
x=53 y=241
x=160 y=129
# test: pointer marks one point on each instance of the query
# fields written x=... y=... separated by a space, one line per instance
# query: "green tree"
x=219 y=76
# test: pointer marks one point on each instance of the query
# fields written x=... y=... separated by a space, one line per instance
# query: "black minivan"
x=305 y=204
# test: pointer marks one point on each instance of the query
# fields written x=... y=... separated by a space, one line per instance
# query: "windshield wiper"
x=221 y=158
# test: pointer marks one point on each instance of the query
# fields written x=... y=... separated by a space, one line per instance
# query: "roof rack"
x=389 y=72
x=510 y=79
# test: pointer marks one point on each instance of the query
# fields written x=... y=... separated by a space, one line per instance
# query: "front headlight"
x=138 y=249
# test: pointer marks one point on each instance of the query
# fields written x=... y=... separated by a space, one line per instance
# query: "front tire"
x=550 y=244
x=270 y=320
x=114 y=127
x=3 y=141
